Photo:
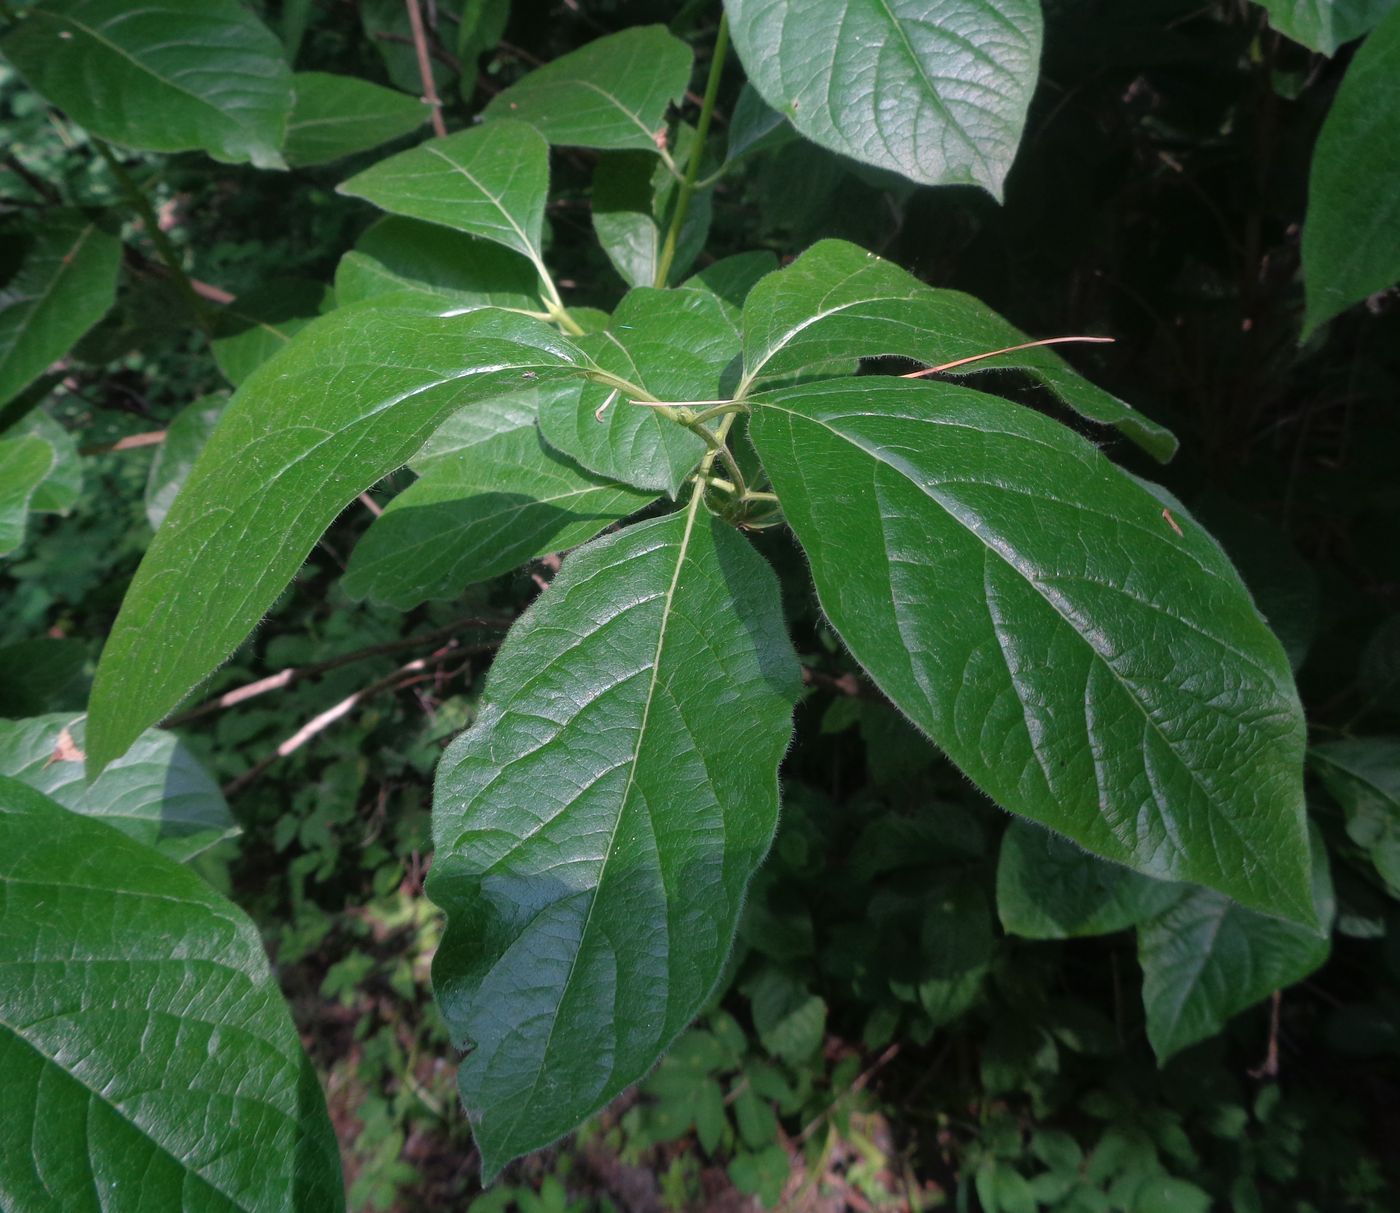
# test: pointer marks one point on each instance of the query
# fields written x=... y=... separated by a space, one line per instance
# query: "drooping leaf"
x=1363 y=776
x=156 y=793
x=348 y=401
x=161 y=76
x=837 y=301
x=146 y=1053
x=489 y=182
x=24 y=462
x=1030 y=608
x=610 y=93
x=675 y=345
x=1207 y=958
x=65 y=284
x=185 y=437
x=1323 y=25
x=395 y=255
x=597 y=827
x=935 y=93
x=1351 y=234
x=483 y=509
x=255 y=326
x=337 y=116
x=1047 y=888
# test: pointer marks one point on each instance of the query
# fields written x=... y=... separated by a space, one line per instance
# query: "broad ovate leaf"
x=161 y=76
x=64 y=285
x=1323 y=25
x=337 y=116
x=1207 y=958
x=156 y=793
x=837 y=301
x=482 y=509
x=146 y=1053
x=937 y=93
x=489 y=182
x=350 y=399
x=610 y=93
x=634 y=196
x=598 y=825
x=1351 y=234
x=1089 y=661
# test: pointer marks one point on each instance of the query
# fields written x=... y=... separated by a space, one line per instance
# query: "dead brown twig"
x=425 y=66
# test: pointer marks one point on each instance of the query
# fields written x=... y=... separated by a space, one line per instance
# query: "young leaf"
x=146 y=1053
x=156 y=793
x=674 y=344
x=185 y=437
x=65 y=284
x=348 y=401
x=597 y=827
x=162 y=76
x=937 y=94
x=482 y=510
x=489 y=182
x=1323 y=25
x=1363 y=776
x=337 y=116
x=1030 y=607
x=24 y=462
x=838 y=301
x=1351 y=236
x=255 y=326
x=1206 y=959
x=610 y=93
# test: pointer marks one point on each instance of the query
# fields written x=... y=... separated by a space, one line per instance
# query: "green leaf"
x=1028 y=606
x=610 y=93
x=387 y=28
x=61 y=487
x=1323 y=25
x=42 y=675
x=480 y=29
x=1207 y=958
x=596 y=829
x=156 y=793
x=753 y=126
x=676 y=345
x=164 y=76
x=489 y=182
x=498 y=499
x=337 y=116
x=1047 y=888
x=955 y=949
x=1351 y=235
x=395 y=255
x=147 y=1056
x=256 y=325
x=790 y=1020
x=837 y=302
x=937 y=94
x=348 y=401
x=732 y=278
x=1363 y=776
x=24 y=462
x=763 y=1174
x=185 y=437
x=1002 y=1189
x=65 y=284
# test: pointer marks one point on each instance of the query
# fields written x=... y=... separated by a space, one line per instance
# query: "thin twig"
x=1268 y=1068
x=130 y=442
x=425 y=66
x=1010 y=349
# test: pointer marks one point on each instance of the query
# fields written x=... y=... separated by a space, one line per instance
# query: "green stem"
x=697 y=152
x=169 y=256
x=554 y=305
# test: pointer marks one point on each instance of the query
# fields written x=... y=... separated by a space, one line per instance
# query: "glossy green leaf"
x=65 y=284
x=255 y=326
x=1351 y=234
x=493 y=501
x=147 y=1056
x=337 y=116
x=633 y=197
x=1323 y=25
x=348 y=401
x=489 y=182
x=1208 y=958
x=185 y=437
x=837 y=301
x=1028 y=606
x=156 y=793
x=597 y=827
x=937 y=94
x=161 y=76
x=396 y=255
x=1047 y=888
x=1363 y=776
x=24 y=462
x=610 y=93
x=674 y=344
